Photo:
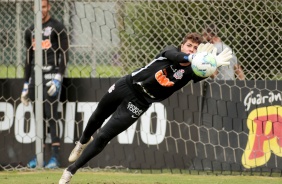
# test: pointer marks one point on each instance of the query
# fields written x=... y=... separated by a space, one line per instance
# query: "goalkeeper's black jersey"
x=164 y=75
x=54 y=45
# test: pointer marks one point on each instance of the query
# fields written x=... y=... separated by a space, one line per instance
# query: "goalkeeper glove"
x=24 y=96
x=207 y=47
x=55 y=85
x=222 y=59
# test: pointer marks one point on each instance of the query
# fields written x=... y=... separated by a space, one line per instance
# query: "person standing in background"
x=55 y=46
x=234 y=70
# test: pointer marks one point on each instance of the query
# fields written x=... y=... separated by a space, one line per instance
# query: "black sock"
x=55 y=152
x=72 y=168
x=84 y=140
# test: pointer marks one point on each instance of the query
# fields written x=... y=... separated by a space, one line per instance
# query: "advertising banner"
x=225 y=125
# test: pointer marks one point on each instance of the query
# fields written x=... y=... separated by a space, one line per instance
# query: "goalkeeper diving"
x=133 y=94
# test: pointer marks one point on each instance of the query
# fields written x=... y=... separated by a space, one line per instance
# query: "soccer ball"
x=204 y=64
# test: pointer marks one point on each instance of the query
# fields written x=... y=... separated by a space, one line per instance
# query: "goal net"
x=213 y=125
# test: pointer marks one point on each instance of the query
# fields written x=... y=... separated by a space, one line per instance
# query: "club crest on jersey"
x=178 y=74
x=47 y=31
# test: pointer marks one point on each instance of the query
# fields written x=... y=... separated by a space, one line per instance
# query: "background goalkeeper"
x=133 y=94
x=55 y=47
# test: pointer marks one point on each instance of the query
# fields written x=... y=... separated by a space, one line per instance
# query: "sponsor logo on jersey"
x=162 y=79
x=45 y=44
x=135 y=117
x=161 y=76
x=135 y=110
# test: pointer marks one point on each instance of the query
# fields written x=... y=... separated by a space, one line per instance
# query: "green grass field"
x=101 y=177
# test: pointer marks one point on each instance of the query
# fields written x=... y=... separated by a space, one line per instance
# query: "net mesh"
x=111 y=38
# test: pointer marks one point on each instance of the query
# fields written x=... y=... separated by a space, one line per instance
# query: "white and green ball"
x=204 y=64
